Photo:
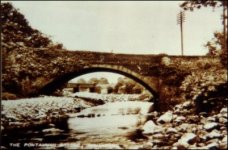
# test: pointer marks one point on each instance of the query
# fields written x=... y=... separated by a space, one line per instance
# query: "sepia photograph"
x=114 y=75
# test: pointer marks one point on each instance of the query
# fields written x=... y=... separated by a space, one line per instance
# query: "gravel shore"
x=33 y=112
x=109 y=97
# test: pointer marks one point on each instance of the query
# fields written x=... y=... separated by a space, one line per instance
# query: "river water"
x=112 y=125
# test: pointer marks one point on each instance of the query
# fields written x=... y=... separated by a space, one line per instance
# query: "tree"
x=119 y=84
x=137 y=89
x=218 y=44
x=81 y=81
x=103 y=81
x=128 y=86
x=16 y=31
x=191 y=5
x=93 y=81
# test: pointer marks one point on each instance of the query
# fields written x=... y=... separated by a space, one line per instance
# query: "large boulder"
x=150 y=128
x=166 y=117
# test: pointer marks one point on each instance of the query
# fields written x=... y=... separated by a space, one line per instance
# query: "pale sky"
x=135 y=27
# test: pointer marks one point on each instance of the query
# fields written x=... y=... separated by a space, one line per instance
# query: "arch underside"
x=57 y=83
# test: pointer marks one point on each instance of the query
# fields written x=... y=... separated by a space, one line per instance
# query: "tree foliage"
x=191 y=5
x=217 y=45
x=128 y=86
x=16 y=31
x=103 y=81
x=81 y=81
x=93 y=81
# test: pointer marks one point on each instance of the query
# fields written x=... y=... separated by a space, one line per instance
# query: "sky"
x=132 y=27
x=135 y=27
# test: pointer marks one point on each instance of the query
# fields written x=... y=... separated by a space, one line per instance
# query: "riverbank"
x=41 y=111
x=111 y=97
x=180 y=128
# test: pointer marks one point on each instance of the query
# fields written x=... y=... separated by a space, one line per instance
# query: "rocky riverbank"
x=180 y=128
x=35 y=112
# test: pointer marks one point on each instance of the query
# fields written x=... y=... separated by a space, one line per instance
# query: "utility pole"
x=180 y=20
x=224 y=29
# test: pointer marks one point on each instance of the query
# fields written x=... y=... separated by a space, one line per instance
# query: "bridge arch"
x=58 y=82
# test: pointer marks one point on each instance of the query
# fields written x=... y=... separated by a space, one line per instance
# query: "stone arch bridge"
x=162 y=75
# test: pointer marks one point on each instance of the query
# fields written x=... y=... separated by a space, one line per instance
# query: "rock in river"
x=214 y=134
x=166 y=117
x=210 y=125
x=150 y=128
x=185 y=140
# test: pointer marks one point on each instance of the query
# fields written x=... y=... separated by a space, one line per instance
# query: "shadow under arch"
x=58 y=82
